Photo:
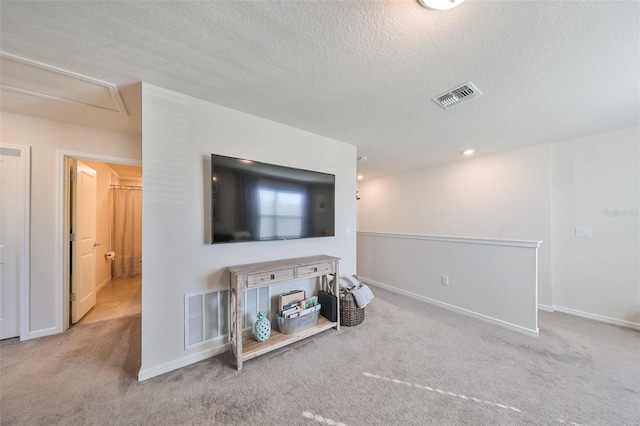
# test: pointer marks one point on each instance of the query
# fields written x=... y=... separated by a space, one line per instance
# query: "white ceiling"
x=359 y=71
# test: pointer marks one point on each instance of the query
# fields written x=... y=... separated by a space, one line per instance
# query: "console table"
x=254 y=275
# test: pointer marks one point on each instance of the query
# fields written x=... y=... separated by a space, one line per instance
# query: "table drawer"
x=266 y=278
x=314 y=270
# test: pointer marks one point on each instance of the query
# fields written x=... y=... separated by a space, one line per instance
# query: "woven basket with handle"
x=350 y=314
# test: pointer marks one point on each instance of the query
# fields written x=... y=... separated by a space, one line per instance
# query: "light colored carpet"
x=409 y=363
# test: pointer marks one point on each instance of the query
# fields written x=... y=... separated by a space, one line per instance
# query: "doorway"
x=14 y=240
x=105 y=277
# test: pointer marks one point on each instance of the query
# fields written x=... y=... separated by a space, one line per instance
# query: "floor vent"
x=458 y=95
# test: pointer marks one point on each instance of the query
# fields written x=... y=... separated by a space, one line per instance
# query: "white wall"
x=179 y=135
x=481 y=274
x=539 y=193
x=497 y=196
x=596 y=184
x=46 y=138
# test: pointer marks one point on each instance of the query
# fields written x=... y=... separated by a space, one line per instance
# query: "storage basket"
x=350 y=314
x=293 y=325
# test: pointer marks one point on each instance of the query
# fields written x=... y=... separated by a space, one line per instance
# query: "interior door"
x=11 y=226
x=83 y=240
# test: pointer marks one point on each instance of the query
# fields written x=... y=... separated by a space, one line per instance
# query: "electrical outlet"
x=444 y=280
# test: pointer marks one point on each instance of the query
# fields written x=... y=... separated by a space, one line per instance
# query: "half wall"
x=494 y=280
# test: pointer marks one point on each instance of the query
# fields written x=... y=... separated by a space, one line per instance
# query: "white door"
x=83 y=240
x=11 y=238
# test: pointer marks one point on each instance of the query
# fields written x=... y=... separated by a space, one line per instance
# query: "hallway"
x=117 y=299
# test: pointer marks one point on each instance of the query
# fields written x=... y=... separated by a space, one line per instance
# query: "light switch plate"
x=583 y=232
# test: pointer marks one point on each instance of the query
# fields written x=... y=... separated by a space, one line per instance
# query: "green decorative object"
x=262 y=327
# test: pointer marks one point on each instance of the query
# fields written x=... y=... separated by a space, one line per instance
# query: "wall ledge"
x=475 y=315
x=450 y=239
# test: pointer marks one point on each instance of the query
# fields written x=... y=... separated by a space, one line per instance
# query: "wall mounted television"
x=253 y=201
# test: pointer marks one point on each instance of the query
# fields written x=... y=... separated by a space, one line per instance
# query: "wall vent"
x=206 y=317
x=458 y=95
x=206 y=314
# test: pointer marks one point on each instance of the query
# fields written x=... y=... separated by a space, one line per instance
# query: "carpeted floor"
x=409 y=363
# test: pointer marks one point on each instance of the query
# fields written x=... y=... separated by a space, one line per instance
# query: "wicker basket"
x=350 y=314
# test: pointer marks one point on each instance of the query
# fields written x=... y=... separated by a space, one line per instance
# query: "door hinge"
x=74 y=177
x=73 y=297
x=72 y=237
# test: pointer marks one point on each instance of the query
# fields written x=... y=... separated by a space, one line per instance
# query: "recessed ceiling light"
x=360 y=177
x=468 y=151
x=440 y=4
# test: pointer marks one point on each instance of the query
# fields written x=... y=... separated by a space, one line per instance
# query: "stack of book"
x=294 y=305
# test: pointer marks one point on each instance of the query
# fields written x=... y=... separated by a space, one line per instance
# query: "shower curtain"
x=126 y=232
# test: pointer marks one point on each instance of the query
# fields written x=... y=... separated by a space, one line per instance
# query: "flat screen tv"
x=253 y=201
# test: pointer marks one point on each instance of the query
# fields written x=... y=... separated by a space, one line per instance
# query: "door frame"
x=62 y=219
x=24 y=268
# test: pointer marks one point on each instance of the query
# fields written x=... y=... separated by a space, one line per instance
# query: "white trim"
x=64 y=100
x=545 y=308
x=62 y=255
x=112 y=88
x=537 y=289
x=25 y=284
x=449 y=239
x=62 y=223
x=100 y=158
x=101 y=285
x=148 y=373
x=596 y=317
x=42 y=333
x=491 y=320
x=24 y=314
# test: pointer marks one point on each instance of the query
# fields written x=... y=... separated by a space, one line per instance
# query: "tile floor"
x=117 y=299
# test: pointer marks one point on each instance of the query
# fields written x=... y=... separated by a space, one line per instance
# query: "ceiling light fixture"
x=440 y=4
x=360 y=177
x=468 y=151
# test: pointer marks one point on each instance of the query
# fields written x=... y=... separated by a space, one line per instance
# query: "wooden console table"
x=254 y=275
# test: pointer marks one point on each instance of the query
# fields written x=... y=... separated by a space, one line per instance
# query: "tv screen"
x=254 y=201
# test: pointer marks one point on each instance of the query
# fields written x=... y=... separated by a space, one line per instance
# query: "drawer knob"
x=273 y=276
x=315 y=269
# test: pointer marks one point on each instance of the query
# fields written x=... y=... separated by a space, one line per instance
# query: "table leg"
x=235 y=331
x=336 y=291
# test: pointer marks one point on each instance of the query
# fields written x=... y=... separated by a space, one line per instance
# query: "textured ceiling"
x=362 y=71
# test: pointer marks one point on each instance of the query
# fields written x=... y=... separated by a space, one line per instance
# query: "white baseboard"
x=105 y=282
x=148 y=373
x=491 y=320
x=596 y=317
x=42 y=333
x=546 y=308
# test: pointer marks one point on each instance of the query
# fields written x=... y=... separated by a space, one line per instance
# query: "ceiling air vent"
x=458 y=95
